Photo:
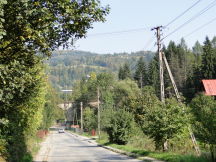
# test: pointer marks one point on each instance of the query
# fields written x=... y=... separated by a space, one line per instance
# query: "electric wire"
x=212 y=4
x=149 y=42
x=119 y=32
x=172 y=21
x=200 y=27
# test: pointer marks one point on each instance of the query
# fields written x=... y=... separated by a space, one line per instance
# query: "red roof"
x=210 y=87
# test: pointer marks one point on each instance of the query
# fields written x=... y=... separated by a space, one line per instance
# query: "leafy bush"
x=204 y=110
x=163 y=122
x=121 y=127
x=89 y=119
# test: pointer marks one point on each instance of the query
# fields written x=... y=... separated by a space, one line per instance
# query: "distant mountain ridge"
x=67 y=66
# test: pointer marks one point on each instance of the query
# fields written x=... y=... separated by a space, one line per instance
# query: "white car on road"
x=61 y=130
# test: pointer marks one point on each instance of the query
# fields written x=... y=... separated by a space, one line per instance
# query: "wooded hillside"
x=65 y=67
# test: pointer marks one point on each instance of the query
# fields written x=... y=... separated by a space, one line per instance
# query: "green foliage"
x=45 y=25
x=204 y=110
x=22 y=102
x=121 y=127
x=163 y=121
x=89 y=119
x=132 y=149
x=197 y=50
x=124 y=90
x=181 y=143
x=3 y=141
x=68 y=66
x=141 y=73
x=153 y=74
x=106 y=117
x=28 y=31
x=208 y=60
x=124 y=72
x=51 y=111
x=2 y=31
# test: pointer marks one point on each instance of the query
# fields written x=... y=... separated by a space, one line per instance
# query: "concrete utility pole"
x=141 y=81
x=81 y=117
x=158 y=29
x=98 y=102
x=162 y=58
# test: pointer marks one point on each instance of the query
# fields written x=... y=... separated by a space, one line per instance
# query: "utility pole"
x=73 y=115
x=141 y=81
x=162 y=58
x=81 y=117
x=98 y=102
x=196 y=147
x=158 y=29
x=162 y=96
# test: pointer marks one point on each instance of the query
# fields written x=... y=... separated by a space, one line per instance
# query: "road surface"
x=65 y=147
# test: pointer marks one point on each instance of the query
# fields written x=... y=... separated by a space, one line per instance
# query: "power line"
x=149 y=42
x=183 y=13
x=212 y=4
x=119 y=32
x=202 y=26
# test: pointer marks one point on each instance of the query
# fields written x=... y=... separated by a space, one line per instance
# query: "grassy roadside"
x=167 y=156
x=139 y=153
x=33 y=144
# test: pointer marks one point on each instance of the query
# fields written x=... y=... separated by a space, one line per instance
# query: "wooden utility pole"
x=98 y=102
x=81 y=116
x=158 y=29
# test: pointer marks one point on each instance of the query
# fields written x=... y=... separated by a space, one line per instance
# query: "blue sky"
x=145 y=14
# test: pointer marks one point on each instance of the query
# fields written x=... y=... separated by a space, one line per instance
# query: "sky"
x=128 y=25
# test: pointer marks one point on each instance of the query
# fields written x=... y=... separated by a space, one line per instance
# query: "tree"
x=214 y=52
x=51 y=111
x=141 y=73
x=30 y=30
x=44 y=25
x=208 y=58
x=204 y=123
x=153 y=75
x=89 y=118
x=160 y=121
x=120 y=73
x=123 y=91
x=124 y=72
x=22 y=99
x=121 y=127
x=214 y=42
x=197 y=50
x=105 y=82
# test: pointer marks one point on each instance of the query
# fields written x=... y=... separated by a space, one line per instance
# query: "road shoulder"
x=90 y=140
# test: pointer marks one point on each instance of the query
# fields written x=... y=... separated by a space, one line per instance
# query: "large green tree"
x=44 y=25
x=141 y=75
x=29 y=30
x=208 y=58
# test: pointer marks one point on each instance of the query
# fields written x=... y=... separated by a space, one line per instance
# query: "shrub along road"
x=66 y=147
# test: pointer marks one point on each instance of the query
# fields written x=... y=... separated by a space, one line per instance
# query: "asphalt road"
x=65 y=147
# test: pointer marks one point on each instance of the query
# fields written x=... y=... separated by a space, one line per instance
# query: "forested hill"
x=67 y=66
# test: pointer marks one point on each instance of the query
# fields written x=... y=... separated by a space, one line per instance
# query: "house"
x=209 y=87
